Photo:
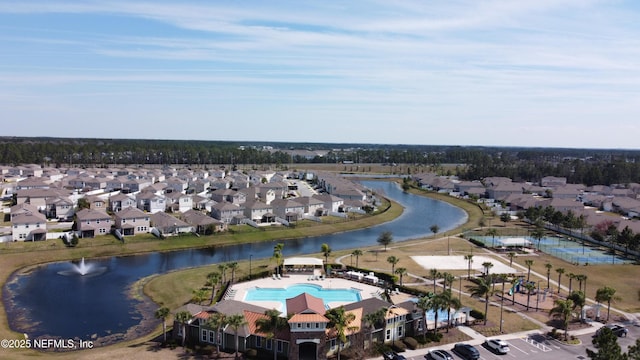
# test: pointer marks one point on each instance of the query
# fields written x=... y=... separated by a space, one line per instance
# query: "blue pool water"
x=282 y=294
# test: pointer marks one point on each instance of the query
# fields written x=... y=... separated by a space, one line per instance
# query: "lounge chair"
x=279 y=277
x=273 y=276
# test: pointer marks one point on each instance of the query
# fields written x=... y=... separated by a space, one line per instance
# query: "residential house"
x=28 y=226
x=226 y=212
x=132 y=221
x=331 y=202
x=202 y=203
x=177 y=185
x=96 y=202
x=150 y=202
x=203 y=224
x=91 y=223
x=553 y=181
x=312 y=206
x=179 y=202
x=259 y=212
x=168 y=224
x=288 y=210
x=121 y=201
x=60 y=208
x=502 y=190
x=38 y=197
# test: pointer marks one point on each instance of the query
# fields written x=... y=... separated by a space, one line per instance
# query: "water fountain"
x=84 y=269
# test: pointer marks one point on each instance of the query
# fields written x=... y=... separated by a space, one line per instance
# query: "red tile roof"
x=305 y=303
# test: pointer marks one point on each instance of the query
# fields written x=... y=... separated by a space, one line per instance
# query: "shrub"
x=251 y=353
x=476 y=314
x=398 y=346
x=434 y=337
x=411 y=343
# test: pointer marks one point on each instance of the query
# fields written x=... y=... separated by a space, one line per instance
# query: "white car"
x=497 y=345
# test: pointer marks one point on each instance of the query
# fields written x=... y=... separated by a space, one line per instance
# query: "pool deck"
x=239 y=291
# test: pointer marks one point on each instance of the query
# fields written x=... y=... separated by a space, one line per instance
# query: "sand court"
x=459 y=263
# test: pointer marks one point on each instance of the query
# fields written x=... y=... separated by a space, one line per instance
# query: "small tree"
x=469 y=258
x=385 y=239
x=563 y=310
x=606 y=294
x=393 y=261
x=236 y=321
x=161 y=314
x=548 y=266
x=357 y=253
x=607 y=344
x=482 y=288
x=401 y=272
x=529 y=263
x=505 y=218
x=183 y=318
x=560 y=271
x=434 y=229
x=326 y=251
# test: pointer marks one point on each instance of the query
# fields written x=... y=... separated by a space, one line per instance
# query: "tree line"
x=586 y=166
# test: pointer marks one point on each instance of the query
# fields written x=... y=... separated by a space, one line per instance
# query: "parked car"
x=497 y=345
x=438 y=355
x=619 y=330
x=388 y=355
x=399 y=357
x=466 y=351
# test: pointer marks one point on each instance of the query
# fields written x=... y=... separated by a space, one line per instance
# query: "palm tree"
x=393 y=261
x=482 y=289
x=223 y=270
x=447 y=280
x=538 y=234
x=357 y=253
x=451 y=302
x=424 y=304
x=401 y=271
x=528 y=262
x=487 y=265
x=372 y=319
x=183 y=318
x=236 y=321
x=578 y=299
x=434 y=274
x=217 y=321
x=326 y=251
x=341 y=320
x=161 y=314
x=571 y=276
x=469 y=258
x=213 y=278
x=492 y=232
x=269 y=325
x=511 y=255
x=563 y=310
x=606 y=294
x=438 y=303
x=560 y=271
x=385 y=239
x=277 y=255
x=530 y=287
x=199 y=296
x=548 y=266
x=234 y=267
x=581 y=278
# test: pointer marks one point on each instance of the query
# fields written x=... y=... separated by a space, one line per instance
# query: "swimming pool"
x=282 y=294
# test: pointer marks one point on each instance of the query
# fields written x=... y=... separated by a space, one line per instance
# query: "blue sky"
x=544 y=73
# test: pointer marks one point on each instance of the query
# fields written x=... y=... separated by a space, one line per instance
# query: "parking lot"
x=536 y=347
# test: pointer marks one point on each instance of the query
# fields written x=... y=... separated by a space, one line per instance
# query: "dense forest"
x=586 y=166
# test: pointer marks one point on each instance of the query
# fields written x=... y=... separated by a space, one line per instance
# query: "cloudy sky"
x=546 y=73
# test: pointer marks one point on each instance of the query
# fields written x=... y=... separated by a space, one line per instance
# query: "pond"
x=51 y=301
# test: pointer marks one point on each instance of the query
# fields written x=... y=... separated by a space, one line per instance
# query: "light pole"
x=250 y=256
x=502 y=304
x=538 y=296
